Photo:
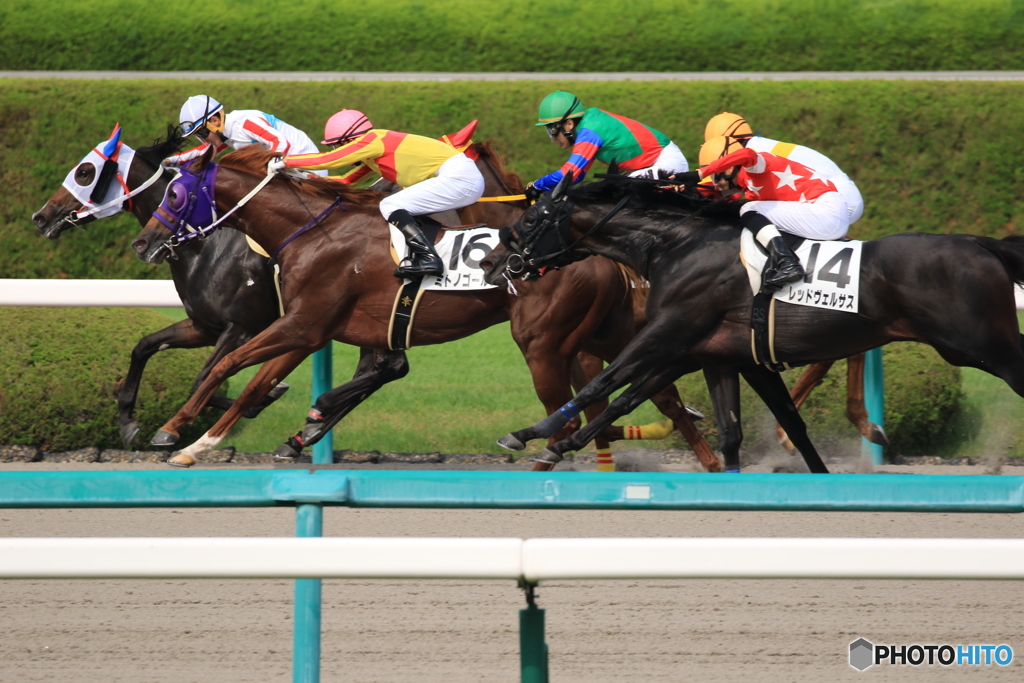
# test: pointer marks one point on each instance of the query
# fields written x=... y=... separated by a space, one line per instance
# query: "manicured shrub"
x=61 y=369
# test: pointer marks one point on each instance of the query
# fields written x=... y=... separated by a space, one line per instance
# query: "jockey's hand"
x=276 y=164
x=532 y=193
x=686 y=178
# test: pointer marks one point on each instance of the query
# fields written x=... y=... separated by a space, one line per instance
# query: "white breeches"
x=458 y=183
x=824 y=218
x=854 y=202
x=671 y=160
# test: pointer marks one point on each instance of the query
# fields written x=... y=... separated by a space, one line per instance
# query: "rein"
x=505 y=198
x=323 y=214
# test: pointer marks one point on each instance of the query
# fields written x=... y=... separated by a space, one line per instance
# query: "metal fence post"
x=323 y=381
x=309 y=521
x=533 y=651
x=874 y=401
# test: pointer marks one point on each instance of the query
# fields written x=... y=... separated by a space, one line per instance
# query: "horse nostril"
x=39 y=219
x=139 y=245
x=486 y=264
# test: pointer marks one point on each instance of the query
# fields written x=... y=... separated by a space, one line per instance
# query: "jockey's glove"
x=276 y=164
x=687 y=178
x=532 y=193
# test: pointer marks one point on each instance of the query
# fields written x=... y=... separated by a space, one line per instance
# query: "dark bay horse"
x=227 y=289
x=337 y=284
x=954 y=292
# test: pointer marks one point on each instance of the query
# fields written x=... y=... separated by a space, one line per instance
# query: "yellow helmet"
x=717 y=147
x=728 y=124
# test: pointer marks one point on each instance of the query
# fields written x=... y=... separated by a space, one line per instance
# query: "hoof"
x=164 y=438
x=128 y=434
x=182 y=460
x=285 y=452
x=694 y=413
x=549 y=456
x=876 y=435
x=511 y=442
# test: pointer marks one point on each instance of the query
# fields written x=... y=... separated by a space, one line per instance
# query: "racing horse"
x=227 y=289
x=337 y=284
x=954 y=292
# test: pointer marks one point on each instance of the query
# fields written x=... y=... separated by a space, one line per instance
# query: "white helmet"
x=196 y=110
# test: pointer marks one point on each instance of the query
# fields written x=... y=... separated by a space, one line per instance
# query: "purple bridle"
x=189 y=209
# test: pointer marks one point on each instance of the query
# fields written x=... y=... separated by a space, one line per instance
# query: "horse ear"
x=201 y=163
x=562 y=188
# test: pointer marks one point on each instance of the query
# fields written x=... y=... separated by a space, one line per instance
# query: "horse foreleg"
x=278 y=339
x=772 y=390
x=808 y=381
x=586 y=367
x=642 y=389
x=374 y=370
x=724 y=386
x=181 y=335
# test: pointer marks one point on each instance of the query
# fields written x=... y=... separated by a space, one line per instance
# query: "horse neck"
x=623 y=239
x=494 y=214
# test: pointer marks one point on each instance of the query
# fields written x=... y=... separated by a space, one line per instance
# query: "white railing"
x=530 y=561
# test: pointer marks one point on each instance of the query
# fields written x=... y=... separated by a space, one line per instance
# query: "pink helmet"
x=345 y=125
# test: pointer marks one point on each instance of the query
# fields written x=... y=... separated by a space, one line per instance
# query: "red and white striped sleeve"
x=260 y=131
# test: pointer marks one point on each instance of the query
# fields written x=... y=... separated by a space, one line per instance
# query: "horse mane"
x=487 y=151
x=650 y=199
x=253 y=159
x=163 y=147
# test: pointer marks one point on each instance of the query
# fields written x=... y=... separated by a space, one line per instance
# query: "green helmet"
x=557 y=107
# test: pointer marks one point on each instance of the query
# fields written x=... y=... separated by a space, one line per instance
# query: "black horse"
x=954 y=292
x=227 y=289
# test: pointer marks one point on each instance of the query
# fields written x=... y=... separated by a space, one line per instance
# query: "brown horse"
x=337 y=284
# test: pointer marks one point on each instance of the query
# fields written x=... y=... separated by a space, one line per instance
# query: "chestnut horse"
x=337 y=284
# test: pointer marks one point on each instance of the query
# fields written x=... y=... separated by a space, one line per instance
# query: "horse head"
x=539 y=239
x=187 y=212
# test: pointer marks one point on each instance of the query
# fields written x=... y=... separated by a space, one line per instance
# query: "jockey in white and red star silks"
x=237 y=129
x=795 y=198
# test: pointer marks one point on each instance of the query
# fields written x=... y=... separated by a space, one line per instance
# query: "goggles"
x=553 y=129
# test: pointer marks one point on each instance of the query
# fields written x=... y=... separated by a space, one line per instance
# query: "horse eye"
x=84 y=173
x=530 y=220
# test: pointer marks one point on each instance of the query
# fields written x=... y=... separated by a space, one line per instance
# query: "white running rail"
x=532 y=560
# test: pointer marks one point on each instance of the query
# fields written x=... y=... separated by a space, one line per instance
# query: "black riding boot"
x=423 y=260
x=783 y=265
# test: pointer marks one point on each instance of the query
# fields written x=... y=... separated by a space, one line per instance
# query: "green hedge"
x=928 y=156
x=923 y=401
x=61 y=368
x=513 y=35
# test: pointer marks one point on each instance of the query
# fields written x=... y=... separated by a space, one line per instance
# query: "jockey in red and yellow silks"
x=435 y=175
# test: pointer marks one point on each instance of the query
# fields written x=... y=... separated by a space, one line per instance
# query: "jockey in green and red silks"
x=593 y=133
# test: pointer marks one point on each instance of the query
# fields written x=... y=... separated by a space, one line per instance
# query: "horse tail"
x=1009 y=251
x=637 y=286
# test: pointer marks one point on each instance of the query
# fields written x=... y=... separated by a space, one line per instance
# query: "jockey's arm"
x=587 y=144
x=747 y=158
x=367 y=146
x=260 y=132
x=353 y=175
x=190 y=154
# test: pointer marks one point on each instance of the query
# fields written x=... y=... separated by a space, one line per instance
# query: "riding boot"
x=422 y=258
x=783 y=265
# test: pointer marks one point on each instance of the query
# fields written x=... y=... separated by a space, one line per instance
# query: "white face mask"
x=118 y=189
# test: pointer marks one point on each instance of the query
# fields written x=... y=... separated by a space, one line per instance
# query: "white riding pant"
x=824 y=218
x=851 y=195
x=671 y=160
x=458 y=183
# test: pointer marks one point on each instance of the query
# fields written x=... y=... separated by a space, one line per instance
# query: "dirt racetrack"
x=454 y=631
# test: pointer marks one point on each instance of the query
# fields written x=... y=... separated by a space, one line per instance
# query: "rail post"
x=309 y=521
x=533 y=651
x=323 y=381
x=874 y=401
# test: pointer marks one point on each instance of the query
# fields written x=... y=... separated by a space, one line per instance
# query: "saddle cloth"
x=461 y=250
x=833 y=273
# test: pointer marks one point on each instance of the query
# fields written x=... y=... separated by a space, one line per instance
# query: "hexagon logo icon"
x=862 y=654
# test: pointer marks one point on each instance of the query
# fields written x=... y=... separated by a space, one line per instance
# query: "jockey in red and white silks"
x=205 y=117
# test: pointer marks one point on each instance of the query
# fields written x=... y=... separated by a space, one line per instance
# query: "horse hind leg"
x=856 y=411
x=374 y=370
x=810 y=379
x=724 y=386
x=585 y=367
x=772 y=390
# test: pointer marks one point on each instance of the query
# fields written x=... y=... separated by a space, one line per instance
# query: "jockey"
x=435 y=175
x=783 y=194
x=739 y=133
x=204 y=116
x=593 y=133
